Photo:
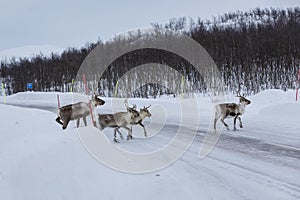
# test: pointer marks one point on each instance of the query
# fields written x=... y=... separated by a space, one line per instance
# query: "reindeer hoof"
x=116 y=141
x=241 y=126
x=235 y=129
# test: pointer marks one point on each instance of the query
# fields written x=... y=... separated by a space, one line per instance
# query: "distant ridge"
x=29 y=51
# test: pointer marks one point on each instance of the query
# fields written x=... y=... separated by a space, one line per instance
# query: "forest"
x=253 y=50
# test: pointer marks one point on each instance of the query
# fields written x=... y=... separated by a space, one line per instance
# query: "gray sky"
x=65 y=23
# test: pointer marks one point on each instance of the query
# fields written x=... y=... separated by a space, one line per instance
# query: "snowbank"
x=41 y=161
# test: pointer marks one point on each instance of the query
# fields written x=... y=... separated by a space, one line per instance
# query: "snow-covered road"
x=262 y=161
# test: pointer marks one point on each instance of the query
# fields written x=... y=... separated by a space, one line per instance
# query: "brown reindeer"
x=118 y=120
x=138 y=119
x=225 y=110
x=77 y=111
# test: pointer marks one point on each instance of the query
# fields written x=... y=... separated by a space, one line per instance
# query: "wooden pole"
x=298 y=83
x=116 y=89
x=182 y=87
x=72 y=85
x=87 y=92
x=58 y=101
x=3 y=93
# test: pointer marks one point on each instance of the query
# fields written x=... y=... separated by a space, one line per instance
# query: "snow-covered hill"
x=38 y=160
x=29 y=51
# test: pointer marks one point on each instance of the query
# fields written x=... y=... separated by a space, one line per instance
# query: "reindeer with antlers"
x=123 y=119
x=226 y=110
x=138 y=119
x=118 y=120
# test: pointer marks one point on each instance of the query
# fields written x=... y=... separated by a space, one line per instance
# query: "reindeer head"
x=243 y=99
x=146 y=111
x=132 y=110
x=129 y=109
x=96 y=101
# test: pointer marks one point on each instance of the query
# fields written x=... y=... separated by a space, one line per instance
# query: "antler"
x=127 y=106
x=93 y=97
x=147 y=107
x=126 y=103
x=239 y=91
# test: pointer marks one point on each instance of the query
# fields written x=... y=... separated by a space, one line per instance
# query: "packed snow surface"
x=39 y=160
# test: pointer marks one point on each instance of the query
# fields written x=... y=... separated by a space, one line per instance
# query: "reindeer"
x=77 y=111
x=138 y=119
x=118 y=120
x=225 y=110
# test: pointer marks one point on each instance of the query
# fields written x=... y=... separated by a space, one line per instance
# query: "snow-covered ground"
x=39 y=160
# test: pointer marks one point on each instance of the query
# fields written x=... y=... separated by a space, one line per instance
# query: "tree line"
x=254 y=50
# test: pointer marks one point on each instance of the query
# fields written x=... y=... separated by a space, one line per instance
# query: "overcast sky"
x=65 y=23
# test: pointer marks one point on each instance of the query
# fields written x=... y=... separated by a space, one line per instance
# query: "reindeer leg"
x=222 y=120
x=65 y=124
x=129 y=135
x=58 y=120
x=115 y=136
x=145 y=132
x=120 y=134
x=77 y=122
x=84 y=120
x=241 y=124
x=234 y=122
x=101 y=126
x=215 y=124
x=217 y=117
